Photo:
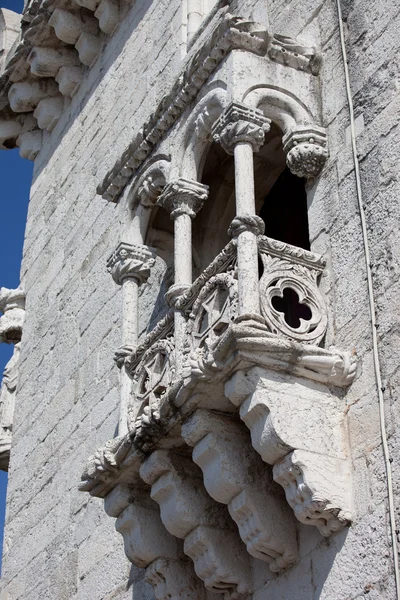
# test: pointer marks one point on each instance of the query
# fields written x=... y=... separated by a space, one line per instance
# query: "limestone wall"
x=60 y=545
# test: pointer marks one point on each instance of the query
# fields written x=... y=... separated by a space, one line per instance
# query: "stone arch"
x=197 y=138
x=304 y=142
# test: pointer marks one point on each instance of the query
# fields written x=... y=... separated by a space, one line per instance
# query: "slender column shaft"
x=130 y=312
x=249 y=297
x=129 y=266
x=241 y=132
x=183 y=249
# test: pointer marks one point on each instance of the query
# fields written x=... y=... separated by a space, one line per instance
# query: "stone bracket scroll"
x=299 y=428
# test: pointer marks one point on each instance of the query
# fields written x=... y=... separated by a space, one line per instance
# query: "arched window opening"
x=210 y=227
x=284 y=211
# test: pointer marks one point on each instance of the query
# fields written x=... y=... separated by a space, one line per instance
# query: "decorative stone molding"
x=293 y=53
x=46 y=62
x=240 y=124
x=190 y=514
x=301 y=430
x=48 y=112
x=130 y=261
x=229 y=34
x=183 y=197
x=25 y=96
x=29 y=144
x=235 y=475
x=12 y=305
x=306 y=151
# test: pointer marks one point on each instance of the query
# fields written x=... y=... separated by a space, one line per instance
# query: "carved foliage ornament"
x=241 y=124
x=183 y=197
x=130 y=261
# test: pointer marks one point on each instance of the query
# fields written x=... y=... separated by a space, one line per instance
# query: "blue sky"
x=15 y=180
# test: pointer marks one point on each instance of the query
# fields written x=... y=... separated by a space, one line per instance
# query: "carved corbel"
x=46 y=62
x=107 y=14
x=236 y=476
x=306 y=151
x=12 y=305
x=48 y=112
x=299 y=428
x=190 y=514
x=24 y=96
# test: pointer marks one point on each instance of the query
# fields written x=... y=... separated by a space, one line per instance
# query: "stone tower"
x=215 y=205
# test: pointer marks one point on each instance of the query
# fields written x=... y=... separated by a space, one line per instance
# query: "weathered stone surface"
x=59 y=543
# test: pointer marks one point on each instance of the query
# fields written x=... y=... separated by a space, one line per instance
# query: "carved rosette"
x=12 y=305
x=306 y=151
x=183 y=197
x=240 y=124
x=291 y=302
x=130 y=262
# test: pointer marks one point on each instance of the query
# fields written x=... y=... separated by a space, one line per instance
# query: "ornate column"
x=241 y=131
x=183 y=199
x=129 y=266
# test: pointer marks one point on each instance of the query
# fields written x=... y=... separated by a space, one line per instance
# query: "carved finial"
x=240 y=123
x=183 y=196
x=306 y=151
x=129 y=261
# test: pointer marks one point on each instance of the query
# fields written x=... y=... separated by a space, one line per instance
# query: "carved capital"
x=242 y=223
x=130 y=262
x=240 y=124
x=306 y=151
x=12 y=305
x=183 y=197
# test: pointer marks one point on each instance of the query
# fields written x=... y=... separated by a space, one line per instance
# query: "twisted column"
x=241 y=131
x=183 y=199
x=129 y=266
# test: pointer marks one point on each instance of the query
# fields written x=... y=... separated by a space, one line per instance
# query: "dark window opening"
x=284 y=211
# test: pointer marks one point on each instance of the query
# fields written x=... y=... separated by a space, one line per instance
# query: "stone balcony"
x=223 y=424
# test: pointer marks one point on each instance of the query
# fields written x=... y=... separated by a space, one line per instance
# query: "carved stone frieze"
x=234 y=475
x=183 y=197
x=240 y=124
x=306 y=151
x=130 y=261
x=300 y=429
